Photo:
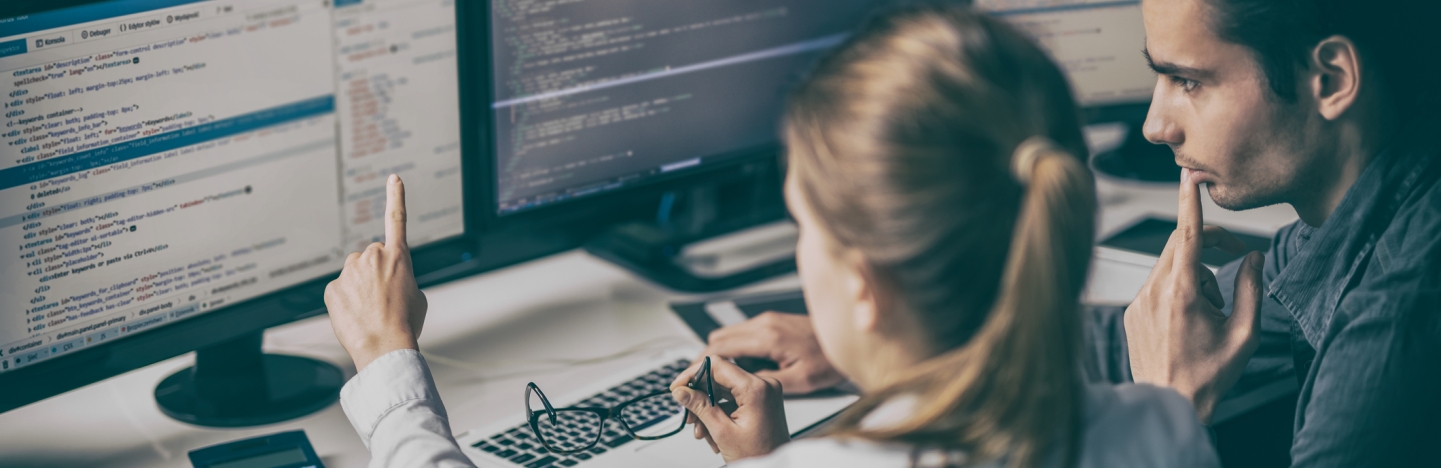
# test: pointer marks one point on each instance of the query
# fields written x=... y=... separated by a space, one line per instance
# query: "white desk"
x=487 y=336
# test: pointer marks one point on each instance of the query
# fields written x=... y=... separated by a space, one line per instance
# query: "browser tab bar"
x=15 y=47
x=141 y=24
x=51 y=41
x=99 y=32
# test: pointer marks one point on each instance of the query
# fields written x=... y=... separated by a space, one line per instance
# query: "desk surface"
x=561 y=321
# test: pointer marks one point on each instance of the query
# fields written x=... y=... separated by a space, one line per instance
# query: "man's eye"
x=1185 y=84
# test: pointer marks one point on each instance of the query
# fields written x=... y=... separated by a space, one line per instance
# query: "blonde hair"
x=939 y=143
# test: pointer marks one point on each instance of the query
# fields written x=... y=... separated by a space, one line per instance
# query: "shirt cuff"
x=389 y=381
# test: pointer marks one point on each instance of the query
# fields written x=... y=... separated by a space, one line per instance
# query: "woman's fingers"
x=711 y=416
x=702 y=433
x=741 y=384
x=685 y=376
x=755 y=426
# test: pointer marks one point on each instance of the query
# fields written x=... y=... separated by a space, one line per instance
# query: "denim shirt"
x=1353 y=311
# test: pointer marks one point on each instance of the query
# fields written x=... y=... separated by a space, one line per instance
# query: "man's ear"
x=1335 y=79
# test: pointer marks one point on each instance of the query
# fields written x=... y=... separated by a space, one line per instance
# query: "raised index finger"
x=395 y=212
x=1189 y=225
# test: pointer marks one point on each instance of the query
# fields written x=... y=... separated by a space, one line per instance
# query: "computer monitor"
x=1098 y=43
x=594 y=97
x=182 y=174
x=592 y=100
x=590 y=97
x=602 y=111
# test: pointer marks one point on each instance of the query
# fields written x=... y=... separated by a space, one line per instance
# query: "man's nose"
x=1160 y=129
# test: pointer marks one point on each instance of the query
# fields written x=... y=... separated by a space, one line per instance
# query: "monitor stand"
x=706 y=239
x=234 y=384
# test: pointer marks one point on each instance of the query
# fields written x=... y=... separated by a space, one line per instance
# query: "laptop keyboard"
x=519 y=445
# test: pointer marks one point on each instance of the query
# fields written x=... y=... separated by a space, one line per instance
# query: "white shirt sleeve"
x=396 y=409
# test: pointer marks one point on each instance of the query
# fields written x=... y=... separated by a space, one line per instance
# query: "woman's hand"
x=375 y=306
x=787 y=339
x=757 y=424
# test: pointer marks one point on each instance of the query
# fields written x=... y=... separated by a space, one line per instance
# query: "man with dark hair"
x=1326 y=105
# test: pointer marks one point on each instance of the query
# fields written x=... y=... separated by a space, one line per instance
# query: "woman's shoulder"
x=1143 y=425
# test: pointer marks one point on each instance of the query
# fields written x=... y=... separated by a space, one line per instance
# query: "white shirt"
x=395 y=408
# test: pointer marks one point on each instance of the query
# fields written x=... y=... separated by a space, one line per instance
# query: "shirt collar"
x=1310 y=286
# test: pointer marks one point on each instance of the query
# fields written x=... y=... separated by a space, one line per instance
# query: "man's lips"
x=1201 y=176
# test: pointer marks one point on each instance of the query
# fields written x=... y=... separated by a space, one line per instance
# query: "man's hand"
x=1176 y=333
x=787 y=339
x=757 y=424
x=375 y=306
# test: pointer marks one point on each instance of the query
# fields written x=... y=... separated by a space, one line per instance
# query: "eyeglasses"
x=648 y=417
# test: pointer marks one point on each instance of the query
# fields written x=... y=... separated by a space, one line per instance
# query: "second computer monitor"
x=591 y=97
x=1096 y=42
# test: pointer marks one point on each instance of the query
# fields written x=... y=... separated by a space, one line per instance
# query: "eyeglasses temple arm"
x=549 y=410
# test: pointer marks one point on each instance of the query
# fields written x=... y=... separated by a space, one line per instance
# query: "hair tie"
x=1023 y=161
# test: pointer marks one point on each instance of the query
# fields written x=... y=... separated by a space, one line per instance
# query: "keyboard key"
x=541 y=463
x=568 y=463
x=524 y=446
x=522 y=458
x=582 y=456
x=618 y=441
x=507 y=453
x=505 y=442
x=597 y=450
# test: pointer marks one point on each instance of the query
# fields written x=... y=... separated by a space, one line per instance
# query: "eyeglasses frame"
x=613 y=412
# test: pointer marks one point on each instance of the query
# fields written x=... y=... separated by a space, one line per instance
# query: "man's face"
x=1214 y=107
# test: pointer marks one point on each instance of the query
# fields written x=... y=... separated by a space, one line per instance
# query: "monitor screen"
x=166 y=158
x=592 y=96
x=1097 y=42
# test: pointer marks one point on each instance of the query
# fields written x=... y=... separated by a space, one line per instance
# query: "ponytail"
x=1014 y=391
x=940 y=144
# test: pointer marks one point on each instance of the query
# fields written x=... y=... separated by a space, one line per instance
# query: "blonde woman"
x=946 y=232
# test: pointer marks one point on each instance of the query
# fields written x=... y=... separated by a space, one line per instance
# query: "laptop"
x=512 y=443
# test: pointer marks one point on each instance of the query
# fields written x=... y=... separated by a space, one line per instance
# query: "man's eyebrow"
x=1171 y=69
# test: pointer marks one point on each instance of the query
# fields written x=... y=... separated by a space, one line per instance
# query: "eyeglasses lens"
x=654 y=417
x=570 y=431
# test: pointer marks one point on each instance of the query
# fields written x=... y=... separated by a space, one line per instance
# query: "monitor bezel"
x=439 y=261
